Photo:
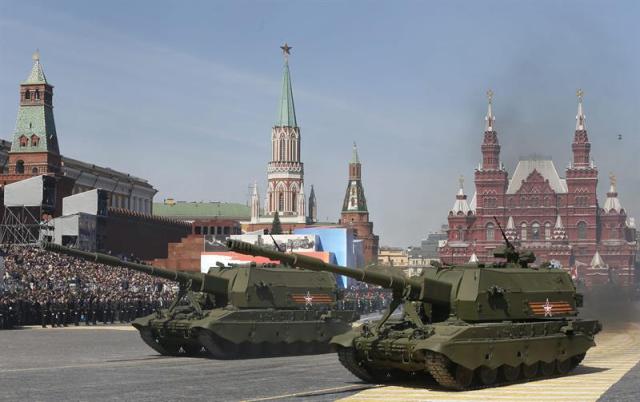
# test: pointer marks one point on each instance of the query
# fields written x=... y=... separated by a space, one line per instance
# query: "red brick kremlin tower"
x=559 y=219
x=355 y=213
x=34 y=150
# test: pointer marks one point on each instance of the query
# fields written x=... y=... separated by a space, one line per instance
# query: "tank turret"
x=472 y=293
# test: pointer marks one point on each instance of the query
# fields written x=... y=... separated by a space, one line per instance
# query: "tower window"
x=282 y=155
x=24 y=141
x=523 y=231
x=27 y=94
x=582 y=230
x=35 y=140
x=20 y=167
x=490 y=231
x=535 y=231
x=281 y=201
x=37 y=94
x=293 y=202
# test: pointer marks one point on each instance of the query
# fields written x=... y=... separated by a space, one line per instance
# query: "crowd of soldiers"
x=44 y=288
x=365 y=298
x=39 y=287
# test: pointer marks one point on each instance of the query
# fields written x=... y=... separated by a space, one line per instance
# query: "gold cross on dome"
x=580 y=94
x=490 y=95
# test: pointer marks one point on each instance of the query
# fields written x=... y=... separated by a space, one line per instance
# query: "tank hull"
x=229 y=334
x=466 y=355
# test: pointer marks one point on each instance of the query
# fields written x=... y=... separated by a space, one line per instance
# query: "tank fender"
x=344 y=340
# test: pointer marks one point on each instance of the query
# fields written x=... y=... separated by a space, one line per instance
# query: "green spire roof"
x=354 y=156
x=287 y=111
x=37 y=73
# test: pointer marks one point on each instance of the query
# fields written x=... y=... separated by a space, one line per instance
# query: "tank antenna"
x=276 y=244
x=504 y=236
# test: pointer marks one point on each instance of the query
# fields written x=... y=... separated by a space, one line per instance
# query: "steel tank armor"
x=239 y=311
x=464 y=325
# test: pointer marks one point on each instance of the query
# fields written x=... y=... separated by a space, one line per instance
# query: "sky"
x=184 y=93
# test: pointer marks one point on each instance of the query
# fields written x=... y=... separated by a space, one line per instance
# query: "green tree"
x=276 y=228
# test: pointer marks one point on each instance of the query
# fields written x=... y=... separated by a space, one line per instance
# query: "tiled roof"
x=37 y=73
x=354 y=199
x=36 y=120
x=287 y=111
x=187 y=210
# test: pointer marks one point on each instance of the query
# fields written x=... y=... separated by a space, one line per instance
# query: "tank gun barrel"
x=197 y=282
x=424 y=289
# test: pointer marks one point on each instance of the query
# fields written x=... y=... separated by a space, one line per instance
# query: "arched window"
x=27 y=94
x=547 y=231
x=282 y=155
x=24 y=141
x=491 y=235
x=35 y=140
x=280 y=201
x=535 y=231
x=523 y=231
x=460 y=233
x=582 y=230
x=535 y=203
x=294 y=204
x=34 y=170
x=37 y=94
x=614 y=233
x=20 y=167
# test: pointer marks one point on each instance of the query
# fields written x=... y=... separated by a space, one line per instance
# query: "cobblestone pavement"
x=112 y=363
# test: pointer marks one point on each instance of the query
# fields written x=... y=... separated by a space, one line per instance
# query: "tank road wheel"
x=464 y=376
x=530 y=371
x=191 y=350
x=349 y=359
x=213 y=347
x=510 y=373
x=564 y=366
x=487 y=375
x=576 y=360
x=547 y=369
x=164 y=348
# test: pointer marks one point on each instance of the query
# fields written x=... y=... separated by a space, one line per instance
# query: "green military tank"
x=466 y=326
x=239 y=311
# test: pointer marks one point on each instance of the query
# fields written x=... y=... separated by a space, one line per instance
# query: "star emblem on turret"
x=547 y=308
x=308 y=299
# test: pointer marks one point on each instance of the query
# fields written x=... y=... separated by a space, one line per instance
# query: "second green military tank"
x=239 y=311
x=470 y=325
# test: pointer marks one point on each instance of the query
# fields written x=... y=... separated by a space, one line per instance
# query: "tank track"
x=349 y=360
x=441 y=369
x=151 y=342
